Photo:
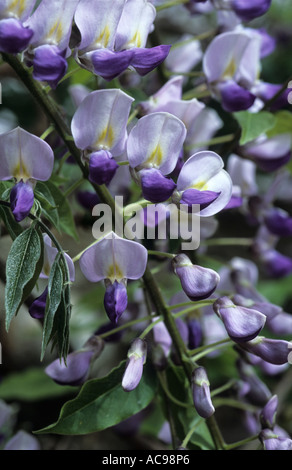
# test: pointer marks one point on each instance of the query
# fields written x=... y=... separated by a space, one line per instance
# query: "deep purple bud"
x=268 y=414
x=271 y=441
x=147 y=59
x=38 y=307
x=155 y=186
x=275 y=264
x=197 y=282
x=247 y=10
x=14 y=37
x=195 y=333
x=115 y=300
x=235 y=98
x=109 y=64
x=278 y=222
x=201 y=393
x=49 y=64
x=195 y=196
x=102 y=167
x=21 y=200
x=275 y=351
x=134 y=367
x=76 y=369
x=241 y=323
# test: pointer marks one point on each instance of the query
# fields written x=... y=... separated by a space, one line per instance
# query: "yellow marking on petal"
x=114 y=273
x=56 y=32
x=230 y=69
x=46 y=269
x=201 y=185
x=20 y=172
x=18 y=7
x=104 y=37
x=106 y=138
x=135 y=41
x=156 y=157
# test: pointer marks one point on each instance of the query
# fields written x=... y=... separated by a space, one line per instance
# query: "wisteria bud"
x=134 y=367
x=201 y=393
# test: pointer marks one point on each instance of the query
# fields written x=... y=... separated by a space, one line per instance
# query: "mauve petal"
x=21 y=200
x=275 y=351
x=109 y=64
x=268 y=414
x=278 y=222
x=114 y=258
x=194 y=196
x=24 y=156
x=156 y=141
x=50 y=253
x=133 y=373
x=49 y=64
x=100 y=122
x=52 y=22
x=22 y=441
x=102 y=167
x=21 y=10
x=172 y=90
x=235 y=98
x=186 y=110
x=14 y=37
x=248 y=10
x=97 y=21
x=74 y=372
x=156 y=188
x=135 y=24
x=147 y=59
x=115 y=301
x=201 y=393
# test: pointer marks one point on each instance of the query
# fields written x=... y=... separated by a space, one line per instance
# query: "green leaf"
x=253 y=125
x=23 y=267
x=283 y=124
x=54 y=298
x=46 y=199
x=103 y=403
x=31 y=385
x=13 y=228
x=66 y=219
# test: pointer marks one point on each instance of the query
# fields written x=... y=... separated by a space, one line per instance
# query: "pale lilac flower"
x=243 y=174
x=51 y=23
x=269 y=153
x=26 y=159
x=184 y=55
x=114 y=260
x=134 y=367
x=231 y=65
x=77 y=367
x=203 y=181
x=197 y=282
x=201 y=393
x=171 y=90
x=99 y=127
x=242 y=324
x=15 y=36
x=153 y=149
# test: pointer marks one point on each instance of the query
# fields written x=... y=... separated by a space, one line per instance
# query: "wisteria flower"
x=26 y=159
x=203 y=181
x=114 y=260
x=15 y=36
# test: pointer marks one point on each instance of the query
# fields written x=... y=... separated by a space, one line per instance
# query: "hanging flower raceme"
x=231 y=65
x=15 y=36
x=114 y=260
x=99 y=128
x=114 y=36
x=203 y=181
x=26 y=159
x=197 y=282
x=49 y=48
x=153 y=149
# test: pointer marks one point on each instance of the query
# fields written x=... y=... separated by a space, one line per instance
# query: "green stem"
x=135 y=207
x=189 y=434
x=223 y=388
x=161 y=253
x=170 y=4
x=234 y=404
x=210 y=348
x=228 y=242
x=74 y=186
x=195 y=305
x=163 y=383
x=47 y=132
x=241 y=443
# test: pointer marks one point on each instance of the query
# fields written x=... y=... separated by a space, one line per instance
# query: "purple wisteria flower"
x=15 y=36
x=77 y=367
x=231 y=65
x=26 y=159
x=153 y=149
x=269 y=412
x=114 y=36
x=134 y=367
x=248 y=10
x=242 y=324
x=114 y=260
x=99 y=128
x=197 y=282
x=203 y=181
x=51 y=23
x=269 y=154
x=272 y=441
x=201 y=393
x=275 y=351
